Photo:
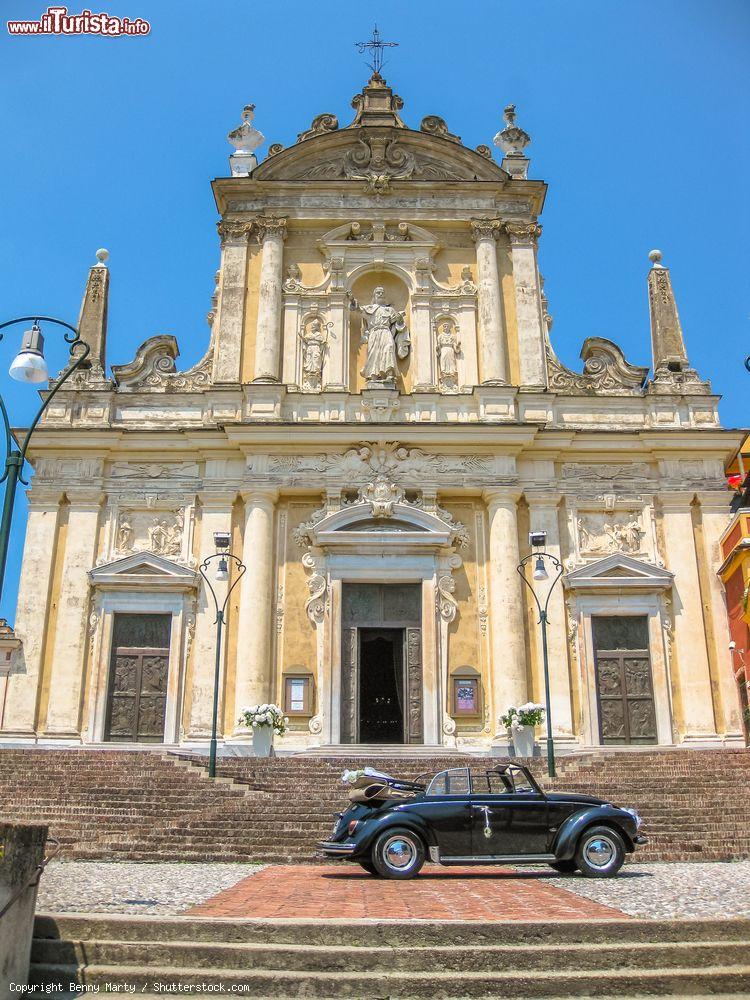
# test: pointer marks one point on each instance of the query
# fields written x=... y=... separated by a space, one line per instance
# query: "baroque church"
x=379 y=421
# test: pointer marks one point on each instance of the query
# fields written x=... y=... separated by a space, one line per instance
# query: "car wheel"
x=368 y=867
x=600 y=852
x=564 y=867
x=398 y=854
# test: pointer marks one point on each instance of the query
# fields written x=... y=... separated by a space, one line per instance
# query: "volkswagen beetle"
x=463 y=817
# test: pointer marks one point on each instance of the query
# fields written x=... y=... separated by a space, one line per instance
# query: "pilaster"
x=32 y=611
x=693 y=672
x=493 y=363
x=271 y=233
x=230 y=321
x=68 y=663
x=528 y=296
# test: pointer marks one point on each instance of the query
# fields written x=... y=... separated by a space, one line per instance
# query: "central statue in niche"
x=385 y=332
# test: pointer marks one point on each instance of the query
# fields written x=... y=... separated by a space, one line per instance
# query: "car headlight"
x=636 y=817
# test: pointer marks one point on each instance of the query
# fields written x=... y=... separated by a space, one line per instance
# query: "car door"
x=512 y=823
x=446 y=809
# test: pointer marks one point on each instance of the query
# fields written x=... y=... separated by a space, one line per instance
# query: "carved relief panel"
x=160 y=528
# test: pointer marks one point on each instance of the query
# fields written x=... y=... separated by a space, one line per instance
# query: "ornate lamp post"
x=30 y=366
x=538 y=540
x=222 y=555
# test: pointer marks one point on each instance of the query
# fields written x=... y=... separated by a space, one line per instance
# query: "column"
x=32 y=611
x=493 y=358
x=531 y=337
x=694 y=678
x=508 y=666
x=255 y=627
x=216 y=515
x=271 y=233
x=715 y=518
x=68 y=662
x=543 y=516
x=229 y=323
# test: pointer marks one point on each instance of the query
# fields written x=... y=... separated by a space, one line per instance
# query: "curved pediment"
x=378 y=156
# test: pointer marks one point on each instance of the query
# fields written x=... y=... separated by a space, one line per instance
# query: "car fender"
x=374 y=826
x=567 y=836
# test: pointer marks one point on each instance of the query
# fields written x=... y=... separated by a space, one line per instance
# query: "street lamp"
x=222 y=556
x=537 y=540
x=30 y=366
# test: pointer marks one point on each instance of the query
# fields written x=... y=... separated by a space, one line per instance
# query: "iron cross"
x=376 y=46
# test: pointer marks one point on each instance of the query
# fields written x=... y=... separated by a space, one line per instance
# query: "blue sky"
x=637 y=112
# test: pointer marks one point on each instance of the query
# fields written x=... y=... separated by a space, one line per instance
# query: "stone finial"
x=92 y=320
x=667 y=342
x=245 y=139
x=513 y=141
x=377 y=105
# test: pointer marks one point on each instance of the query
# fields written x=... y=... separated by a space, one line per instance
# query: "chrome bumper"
x=328 y=847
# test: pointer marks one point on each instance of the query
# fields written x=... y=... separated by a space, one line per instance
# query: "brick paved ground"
x=475 y=893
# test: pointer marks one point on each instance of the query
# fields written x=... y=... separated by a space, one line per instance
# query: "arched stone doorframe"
x=621 y=585
x=382 y=538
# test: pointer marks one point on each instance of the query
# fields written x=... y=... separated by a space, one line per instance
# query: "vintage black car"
x=463 y=817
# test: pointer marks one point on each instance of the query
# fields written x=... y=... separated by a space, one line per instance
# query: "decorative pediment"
x=618 y=572
x=143 y=570
x=605 y=371
x=154 y=369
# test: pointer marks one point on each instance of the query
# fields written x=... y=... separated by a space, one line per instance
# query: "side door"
x=511 y=823
x=447 y=810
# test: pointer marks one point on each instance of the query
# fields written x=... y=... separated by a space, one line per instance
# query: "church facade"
x=378 y=423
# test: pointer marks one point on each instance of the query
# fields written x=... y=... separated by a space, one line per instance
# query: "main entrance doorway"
x=381 y=663
x=623 y=680
x=138 y=670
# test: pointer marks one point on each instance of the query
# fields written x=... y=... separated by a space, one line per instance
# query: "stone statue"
x=385 y=332
x=313 y=339
x=124 y=534
x=447 y=347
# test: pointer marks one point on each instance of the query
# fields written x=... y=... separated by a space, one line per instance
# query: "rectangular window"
x=465 y=696
x=297 y=695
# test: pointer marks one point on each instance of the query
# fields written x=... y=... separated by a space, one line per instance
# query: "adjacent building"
x=379 y=420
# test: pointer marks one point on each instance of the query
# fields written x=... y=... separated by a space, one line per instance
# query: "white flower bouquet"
x=265 y=715
x=528 y=715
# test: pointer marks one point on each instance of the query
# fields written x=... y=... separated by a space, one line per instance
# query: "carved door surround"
x=620 y=585
x=381 y=538
x=141 y=583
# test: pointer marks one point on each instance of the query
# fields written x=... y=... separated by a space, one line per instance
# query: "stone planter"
x=523 y=741
x=262 y=741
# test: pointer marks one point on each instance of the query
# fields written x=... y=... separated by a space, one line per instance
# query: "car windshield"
x=455 y=781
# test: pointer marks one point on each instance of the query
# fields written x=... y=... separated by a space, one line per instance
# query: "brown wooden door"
x=137 y=696
x=623 y=681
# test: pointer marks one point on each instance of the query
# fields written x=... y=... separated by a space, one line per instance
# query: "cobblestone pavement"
x=673 y=890
x=682 y=891
x=130 y=887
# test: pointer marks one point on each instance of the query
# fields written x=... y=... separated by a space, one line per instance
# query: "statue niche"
x=379 y=341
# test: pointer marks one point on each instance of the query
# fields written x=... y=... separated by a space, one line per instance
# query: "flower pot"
x=523 y=741
x=262 y=741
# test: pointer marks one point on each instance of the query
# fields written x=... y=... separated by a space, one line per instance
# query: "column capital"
x=505 y=496
x=266 y=226
x=716 y=500
x=522 y=233
x=217 y=499
x=676 y=499
x=84 y=497
x=485 y=229
x=259 y=497
x=44 y=497
x=235 y=232
x=547 y=498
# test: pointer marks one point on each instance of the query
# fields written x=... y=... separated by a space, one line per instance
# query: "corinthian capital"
x=268 y=225
x=485 y=229
x=233 y=230
x=522 y=233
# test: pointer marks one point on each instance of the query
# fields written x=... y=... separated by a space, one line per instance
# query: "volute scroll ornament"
x=320 y=125
x=605 y=370
x=435 y=125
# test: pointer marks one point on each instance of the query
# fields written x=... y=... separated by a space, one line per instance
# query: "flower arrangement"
x=528 y=715
x=265 y=715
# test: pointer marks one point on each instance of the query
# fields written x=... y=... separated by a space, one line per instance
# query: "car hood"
x=571 y=797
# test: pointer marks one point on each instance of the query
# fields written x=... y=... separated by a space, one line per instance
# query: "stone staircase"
x=410 y=959
x=141 y=805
